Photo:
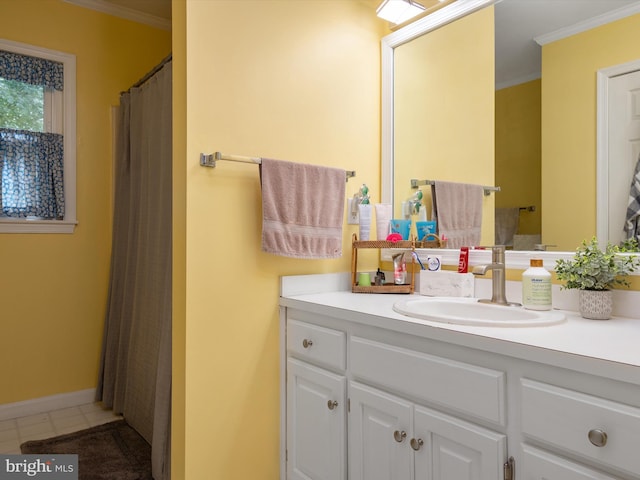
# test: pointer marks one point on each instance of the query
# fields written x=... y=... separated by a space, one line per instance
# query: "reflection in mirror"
x=437 y=104
x=552 y=166
x=521 y=127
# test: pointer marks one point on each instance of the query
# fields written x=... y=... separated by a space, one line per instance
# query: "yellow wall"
x=518 y=111
x=298 y=81
x=53 y=288
x=444 y=110
x=569 y=69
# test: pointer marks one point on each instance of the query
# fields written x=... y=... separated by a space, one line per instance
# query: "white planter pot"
x=596 y=304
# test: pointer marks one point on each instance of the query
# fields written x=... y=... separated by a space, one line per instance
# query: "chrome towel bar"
x=210 y=159
x=416 y=183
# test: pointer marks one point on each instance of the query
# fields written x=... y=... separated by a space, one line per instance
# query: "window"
x=37 y=140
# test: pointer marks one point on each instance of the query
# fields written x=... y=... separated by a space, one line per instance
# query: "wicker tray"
x=387 y=287
x=430 y=240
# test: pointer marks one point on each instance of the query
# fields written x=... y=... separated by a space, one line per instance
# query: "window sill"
x=37 y=226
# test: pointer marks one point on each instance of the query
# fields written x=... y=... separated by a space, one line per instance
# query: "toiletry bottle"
x=399 y=269
x=463 y=261
x=536 y=286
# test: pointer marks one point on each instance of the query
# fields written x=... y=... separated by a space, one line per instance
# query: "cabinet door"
x=316 y=423
x=447 y=448
x=379 y=434
x=540 y=465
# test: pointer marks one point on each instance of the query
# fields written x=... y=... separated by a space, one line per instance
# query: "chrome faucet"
x=497 y=266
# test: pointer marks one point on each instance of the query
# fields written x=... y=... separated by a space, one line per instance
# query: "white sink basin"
x=468 y=311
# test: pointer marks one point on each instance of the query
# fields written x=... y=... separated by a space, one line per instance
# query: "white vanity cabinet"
x=393 y=439
x=316 y=402
x=606 y=433
x=372 y=396
x=390 y=425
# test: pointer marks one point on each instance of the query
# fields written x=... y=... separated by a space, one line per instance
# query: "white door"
x=624 y=147
x=316 y=423
x=448 y=448
x=379 y=435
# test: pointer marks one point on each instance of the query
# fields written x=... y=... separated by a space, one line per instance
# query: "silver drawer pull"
x=307 y=343
x=416 y=443
x=598 y=437
x=399 y=436
x=331 y=404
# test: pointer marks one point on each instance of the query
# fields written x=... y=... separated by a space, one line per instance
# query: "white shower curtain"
x=135 y=371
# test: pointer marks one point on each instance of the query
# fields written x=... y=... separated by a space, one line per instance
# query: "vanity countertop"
x=609 y=348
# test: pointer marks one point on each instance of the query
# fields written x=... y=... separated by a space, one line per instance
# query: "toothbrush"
x=415 y=255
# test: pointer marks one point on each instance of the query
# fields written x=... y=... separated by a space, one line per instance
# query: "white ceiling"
x=518 y=22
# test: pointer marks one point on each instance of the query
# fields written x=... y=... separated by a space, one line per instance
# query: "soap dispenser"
x=536 y=286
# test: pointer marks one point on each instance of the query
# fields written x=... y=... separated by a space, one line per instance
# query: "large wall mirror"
x=487 y=116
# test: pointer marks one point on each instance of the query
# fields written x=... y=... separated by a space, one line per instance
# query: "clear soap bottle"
x=536 y=286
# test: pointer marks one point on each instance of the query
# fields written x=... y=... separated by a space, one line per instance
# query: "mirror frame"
x=441 y=17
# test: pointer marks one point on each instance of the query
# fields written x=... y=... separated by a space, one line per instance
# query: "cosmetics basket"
x=388 y=287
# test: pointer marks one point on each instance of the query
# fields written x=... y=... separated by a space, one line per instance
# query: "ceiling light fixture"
x=399 y=11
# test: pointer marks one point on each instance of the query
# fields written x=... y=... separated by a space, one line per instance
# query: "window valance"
x=31 y=70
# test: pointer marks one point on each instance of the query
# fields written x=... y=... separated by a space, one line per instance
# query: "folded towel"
x=302 y=209
x=507 y=220
x=526 y=242
x=632 y=223
x=458 y=211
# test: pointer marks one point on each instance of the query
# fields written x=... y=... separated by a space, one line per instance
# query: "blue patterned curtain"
x=31 y=170
x=31 y=70
x=31 y=163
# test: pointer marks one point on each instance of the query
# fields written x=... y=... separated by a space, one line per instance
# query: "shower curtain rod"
x=209 y=160
x=153 y=71
x=415 y=183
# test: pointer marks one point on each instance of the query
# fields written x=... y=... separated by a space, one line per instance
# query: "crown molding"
x=585 y=25
x=123 y=12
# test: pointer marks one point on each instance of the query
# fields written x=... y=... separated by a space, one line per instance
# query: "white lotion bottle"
x=536 y=286
x=383 y=217
x=364 y=210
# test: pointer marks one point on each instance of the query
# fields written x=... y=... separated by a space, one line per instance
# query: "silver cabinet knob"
x=307 y=343
x=331 y=404
x=416 y=443
x=598 y=437
x=399 y=436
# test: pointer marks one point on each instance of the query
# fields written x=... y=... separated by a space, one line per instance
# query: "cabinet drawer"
x=465 y=388
x=567 y=419
x=539 y=465
x=317 y=344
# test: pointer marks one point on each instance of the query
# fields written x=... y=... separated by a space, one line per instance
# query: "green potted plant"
x=595 y=272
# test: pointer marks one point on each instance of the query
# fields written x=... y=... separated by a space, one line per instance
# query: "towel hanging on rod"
x=416 y=183
x=210 y=159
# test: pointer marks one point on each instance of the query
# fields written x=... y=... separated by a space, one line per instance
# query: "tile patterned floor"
x=45 y=425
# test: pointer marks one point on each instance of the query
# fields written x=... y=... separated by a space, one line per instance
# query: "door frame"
x=602 y=141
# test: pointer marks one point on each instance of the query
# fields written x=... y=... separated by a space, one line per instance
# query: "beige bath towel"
x=507 y=221
x=302 y=209
x=458 y=211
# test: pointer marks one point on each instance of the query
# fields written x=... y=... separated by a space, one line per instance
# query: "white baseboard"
x=46 y=404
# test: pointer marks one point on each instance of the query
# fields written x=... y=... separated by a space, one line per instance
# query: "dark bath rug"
x=113 y=451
